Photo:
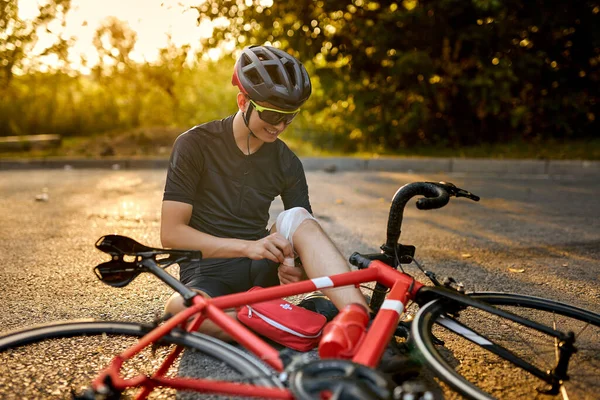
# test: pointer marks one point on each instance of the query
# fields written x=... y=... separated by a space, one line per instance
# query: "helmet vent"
x=245 y=60
x=291 y=73
x=253 y=77
x=274 y=73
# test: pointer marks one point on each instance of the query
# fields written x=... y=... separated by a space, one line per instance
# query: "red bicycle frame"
x=403 y=289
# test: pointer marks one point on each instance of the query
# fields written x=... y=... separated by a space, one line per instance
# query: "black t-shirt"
x=230 y=191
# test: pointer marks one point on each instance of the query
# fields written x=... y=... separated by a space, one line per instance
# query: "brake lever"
x=455 y=191
x=468 y=195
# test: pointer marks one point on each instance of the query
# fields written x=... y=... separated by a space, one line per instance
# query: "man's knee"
x=290 y=220
x=176 y=304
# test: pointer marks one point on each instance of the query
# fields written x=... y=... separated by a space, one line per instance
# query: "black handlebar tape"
x=435 y=197
x=436 y=202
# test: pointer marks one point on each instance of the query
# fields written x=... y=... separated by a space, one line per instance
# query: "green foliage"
x=119 y=94
x=394 y=74
x=18 y=37
x=387 y=75
x=142 y=95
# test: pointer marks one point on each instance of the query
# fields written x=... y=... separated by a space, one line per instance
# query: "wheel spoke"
x=582 y=330
x=470 y=367
x=556 y=350
x=77 y=351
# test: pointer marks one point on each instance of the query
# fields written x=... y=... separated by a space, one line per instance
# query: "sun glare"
x=153 y=21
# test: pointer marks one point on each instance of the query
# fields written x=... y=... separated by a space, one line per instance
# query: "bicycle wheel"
x=51 y=361
x=479 y=374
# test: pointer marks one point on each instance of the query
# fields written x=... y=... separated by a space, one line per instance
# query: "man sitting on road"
x=222 y=178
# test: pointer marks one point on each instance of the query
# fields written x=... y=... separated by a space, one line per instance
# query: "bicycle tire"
x=477 y=364
x=13 y=346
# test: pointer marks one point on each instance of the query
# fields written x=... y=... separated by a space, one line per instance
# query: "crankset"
x=339 y=379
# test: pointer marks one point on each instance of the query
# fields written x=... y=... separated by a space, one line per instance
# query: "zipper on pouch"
x=278 y=325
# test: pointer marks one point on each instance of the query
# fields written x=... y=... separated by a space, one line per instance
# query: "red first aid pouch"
x=283 y=322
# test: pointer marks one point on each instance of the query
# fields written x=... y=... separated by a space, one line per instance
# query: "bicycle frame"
x=403 y=289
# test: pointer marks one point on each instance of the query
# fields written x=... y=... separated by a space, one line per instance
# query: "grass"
x=139 y=142
x=538 y=150
x=157 y=142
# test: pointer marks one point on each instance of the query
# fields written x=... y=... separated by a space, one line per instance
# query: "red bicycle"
x=484 y=345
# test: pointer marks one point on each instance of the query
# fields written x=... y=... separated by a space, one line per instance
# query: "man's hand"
x=273 y=247
x=290 y=274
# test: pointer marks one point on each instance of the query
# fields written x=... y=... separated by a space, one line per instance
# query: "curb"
x=159 y=163
x=456 y=165
x=426 y=165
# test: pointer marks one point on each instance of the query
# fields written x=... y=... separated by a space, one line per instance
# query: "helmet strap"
x=246 y=118
x=246 y=115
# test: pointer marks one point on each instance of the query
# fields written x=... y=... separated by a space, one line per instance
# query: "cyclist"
x=221 y=180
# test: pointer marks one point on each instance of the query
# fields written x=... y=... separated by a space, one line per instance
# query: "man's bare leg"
x=176 y=304
x=320 y=257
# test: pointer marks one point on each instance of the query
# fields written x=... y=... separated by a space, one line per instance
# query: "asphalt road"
x=530 y=234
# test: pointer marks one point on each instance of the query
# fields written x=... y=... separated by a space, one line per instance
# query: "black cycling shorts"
x=221 y=276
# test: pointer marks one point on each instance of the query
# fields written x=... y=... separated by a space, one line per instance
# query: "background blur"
x=502 y=78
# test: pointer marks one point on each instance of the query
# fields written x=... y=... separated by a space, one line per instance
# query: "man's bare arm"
x=176 y=233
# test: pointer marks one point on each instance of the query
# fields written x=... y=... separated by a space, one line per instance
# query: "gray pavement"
x=389 y=164
x=531 y=233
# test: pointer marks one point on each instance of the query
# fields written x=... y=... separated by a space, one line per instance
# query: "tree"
x=165 y=72
x=117 y=72
x=18 y=37
x=434 y=71
x=114 y=40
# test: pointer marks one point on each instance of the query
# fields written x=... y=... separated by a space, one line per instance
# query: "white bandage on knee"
x=289 y=221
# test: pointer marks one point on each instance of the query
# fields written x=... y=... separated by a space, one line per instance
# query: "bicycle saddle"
x=117 y=245
x=130 y=258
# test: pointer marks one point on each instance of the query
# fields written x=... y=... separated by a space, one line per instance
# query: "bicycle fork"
x=403 y=289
